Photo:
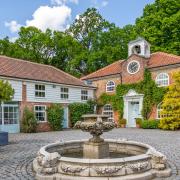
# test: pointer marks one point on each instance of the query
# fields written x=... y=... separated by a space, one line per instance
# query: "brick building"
x=131 y=70
x=37 y=86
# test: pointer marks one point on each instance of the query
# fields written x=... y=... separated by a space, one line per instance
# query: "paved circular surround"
x=16 y=158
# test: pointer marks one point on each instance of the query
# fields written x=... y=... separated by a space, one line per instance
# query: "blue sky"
x=58 y=14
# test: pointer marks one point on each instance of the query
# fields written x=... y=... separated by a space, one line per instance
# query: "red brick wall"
x=170 y=72
x=128 y=78
x=133 y=78
x=101 y=84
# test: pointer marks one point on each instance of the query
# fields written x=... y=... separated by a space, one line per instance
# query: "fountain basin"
x=141 y=161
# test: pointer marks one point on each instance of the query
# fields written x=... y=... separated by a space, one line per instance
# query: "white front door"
x=133 y=113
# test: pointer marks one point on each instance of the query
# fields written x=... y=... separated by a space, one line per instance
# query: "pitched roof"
x=114 y=68
x=162 y=59
x=156 y=60
x=16 y=68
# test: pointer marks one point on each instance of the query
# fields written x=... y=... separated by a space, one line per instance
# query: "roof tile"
x=16 y=68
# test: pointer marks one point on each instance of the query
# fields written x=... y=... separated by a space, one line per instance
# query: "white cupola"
x=139 y=46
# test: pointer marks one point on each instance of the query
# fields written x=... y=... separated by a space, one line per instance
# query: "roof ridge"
x=168 y=54
x=121 y=60
x=35 y=63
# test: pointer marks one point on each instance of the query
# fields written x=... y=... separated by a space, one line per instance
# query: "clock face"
x=133 y=67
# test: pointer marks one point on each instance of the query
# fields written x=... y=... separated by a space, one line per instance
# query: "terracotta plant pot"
x=138 y=126
x=123 y=125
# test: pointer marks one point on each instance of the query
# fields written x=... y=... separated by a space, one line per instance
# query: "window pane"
x=39 y=90
x=162 y=79
x=107 y=110
x=40 y=113
x=84 y=95
x=110 y=86
x=11 y=115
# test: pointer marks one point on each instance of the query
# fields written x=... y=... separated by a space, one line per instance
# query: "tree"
x=102 y=42
x=6 y=91
x=160 y=25
x=171 y=106
x=86 y=27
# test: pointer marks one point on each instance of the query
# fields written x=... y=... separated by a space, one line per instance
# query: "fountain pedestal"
x=95 y=150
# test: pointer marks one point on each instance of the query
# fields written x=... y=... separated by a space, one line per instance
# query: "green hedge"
x=78 y=109
x=55 y=114
x=150 y=124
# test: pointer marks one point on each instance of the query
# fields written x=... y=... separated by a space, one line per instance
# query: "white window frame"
x=45 y=118
x=109 y=86
x=64 y=95
x=84 y=97
x=162 y=80
x=106 y=112
x=40 y=91
x=15 y=119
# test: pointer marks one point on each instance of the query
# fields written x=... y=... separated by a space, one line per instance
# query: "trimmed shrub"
x=79 y=109
x=170 y=106
x=122 y=121
x=169 y=123
x=55 y=114
x=138 y=121
x=29 y=122
x=150 y=124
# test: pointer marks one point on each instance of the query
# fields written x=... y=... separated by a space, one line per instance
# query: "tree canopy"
x=6 y=91
x=91 y=42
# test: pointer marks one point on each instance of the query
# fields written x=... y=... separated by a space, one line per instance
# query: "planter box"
x=3 y=138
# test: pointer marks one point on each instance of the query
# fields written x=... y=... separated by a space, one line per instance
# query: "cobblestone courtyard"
x=16 y=158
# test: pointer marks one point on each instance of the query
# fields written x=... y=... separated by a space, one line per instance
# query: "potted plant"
x=122 y=123
x=138 y=122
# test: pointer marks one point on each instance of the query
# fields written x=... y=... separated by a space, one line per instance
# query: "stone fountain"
x=99 y=159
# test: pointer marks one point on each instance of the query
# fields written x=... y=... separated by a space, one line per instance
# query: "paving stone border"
x=16 y=158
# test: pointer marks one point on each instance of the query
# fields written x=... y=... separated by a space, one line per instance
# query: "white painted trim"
x=110 y=86
x=45 y=113
x=130 y=63
x=44 y=82
x=158 y=110
x=108 y=111
x=132 y=96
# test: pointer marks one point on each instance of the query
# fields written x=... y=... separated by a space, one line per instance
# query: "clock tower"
x=140 y=47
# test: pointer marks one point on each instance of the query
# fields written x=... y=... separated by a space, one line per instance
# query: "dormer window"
x=136 y=49
x=110 y=86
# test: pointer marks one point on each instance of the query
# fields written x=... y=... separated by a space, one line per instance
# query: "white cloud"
x=104 y=3
x=63 y=2
x=13 y=39
x=99 y=3
x=55 y=18
x=13 y=26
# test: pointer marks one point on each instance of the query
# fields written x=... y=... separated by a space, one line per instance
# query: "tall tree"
x=160 y=25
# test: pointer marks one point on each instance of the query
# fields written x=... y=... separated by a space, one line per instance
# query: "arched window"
x=162 y=79
x=110 y=86
x=107 y=110
x=159 y=109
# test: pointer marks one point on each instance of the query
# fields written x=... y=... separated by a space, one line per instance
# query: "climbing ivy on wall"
x=153 y=95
